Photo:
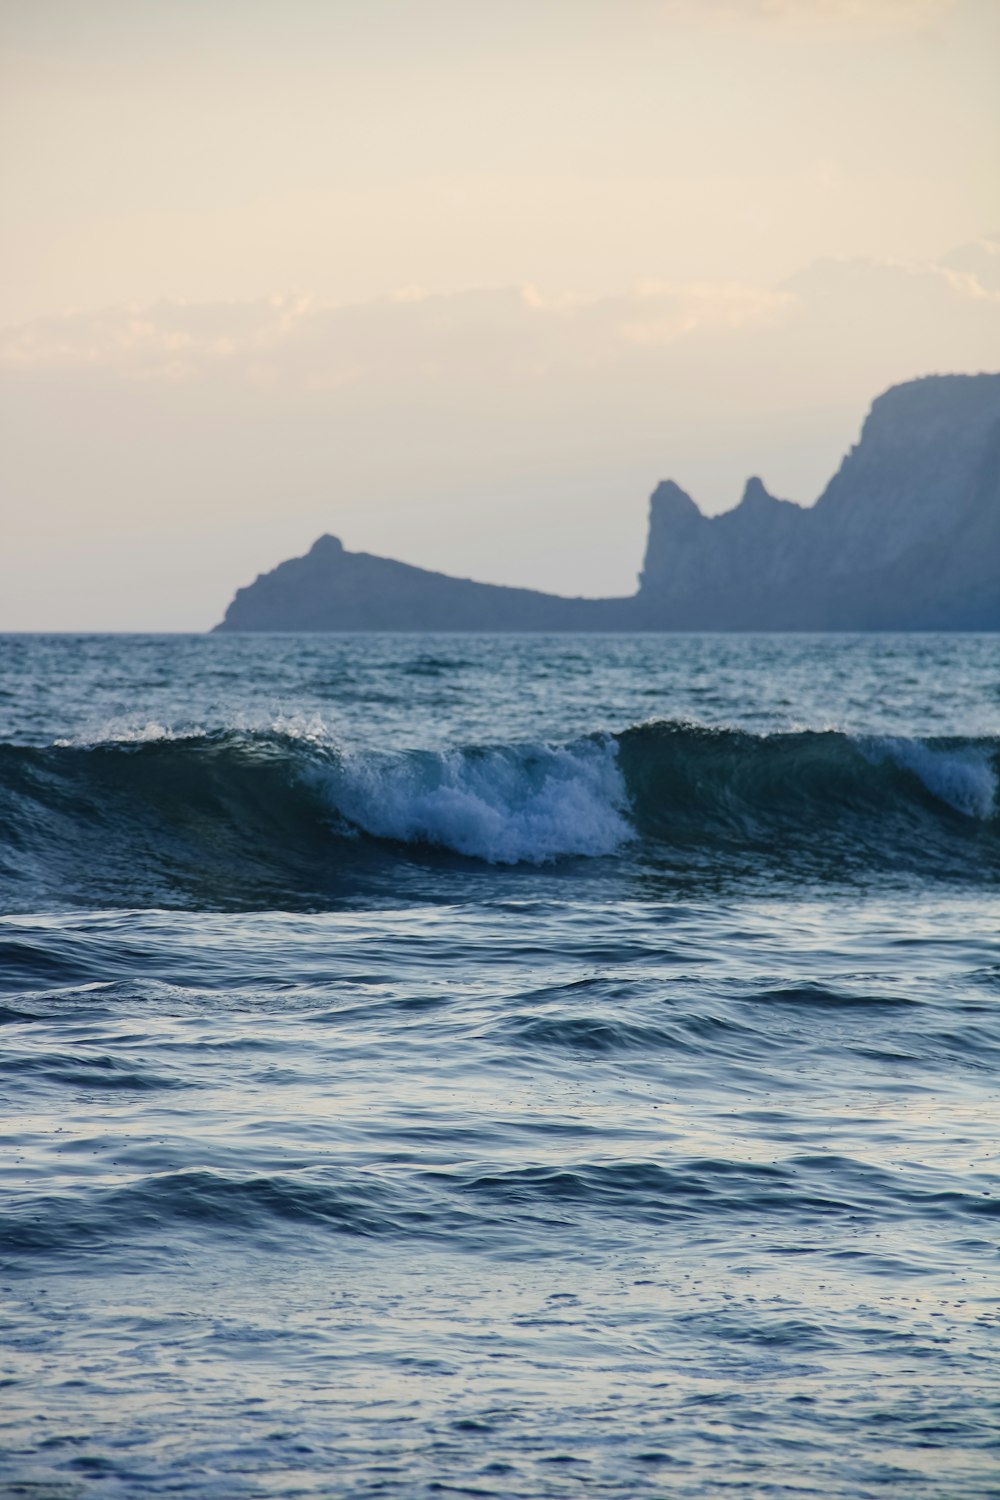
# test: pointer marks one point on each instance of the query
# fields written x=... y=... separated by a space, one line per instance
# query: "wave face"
x=243 y=818
x=820 y=799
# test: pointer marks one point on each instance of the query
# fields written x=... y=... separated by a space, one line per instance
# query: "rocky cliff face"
x=717 y=572
x=905 y=536
x=907 y=533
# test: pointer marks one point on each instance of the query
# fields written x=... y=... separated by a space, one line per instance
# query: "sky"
x=460 y=281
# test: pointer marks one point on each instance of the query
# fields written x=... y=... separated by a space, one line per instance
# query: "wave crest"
x=252 y=818
x=964 y=777
x=505 y=805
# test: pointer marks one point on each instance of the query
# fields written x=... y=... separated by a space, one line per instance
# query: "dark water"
x=535 y=1067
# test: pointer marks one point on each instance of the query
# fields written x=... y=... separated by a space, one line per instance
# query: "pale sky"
x=460 y=280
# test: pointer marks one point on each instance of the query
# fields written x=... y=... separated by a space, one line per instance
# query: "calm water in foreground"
x=464 y=1065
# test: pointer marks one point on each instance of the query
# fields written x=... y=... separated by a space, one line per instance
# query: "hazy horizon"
x=461 y=285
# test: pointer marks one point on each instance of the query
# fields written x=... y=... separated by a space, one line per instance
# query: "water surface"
x=544 y=1066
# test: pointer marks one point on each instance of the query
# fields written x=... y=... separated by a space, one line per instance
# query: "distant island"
x=906 y=536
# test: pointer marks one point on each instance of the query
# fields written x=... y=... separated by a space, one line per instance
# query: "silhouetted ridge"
x=906 y=536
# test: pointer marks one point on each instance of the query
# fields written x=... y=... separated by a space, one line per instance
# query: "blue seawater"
x=467 y=1065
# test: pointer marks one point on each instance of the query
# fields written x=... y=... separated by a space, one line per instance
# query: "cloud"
x=506 y=330
x=980 y=260
x=661 y=314
x=168 y=340
x=500 y=334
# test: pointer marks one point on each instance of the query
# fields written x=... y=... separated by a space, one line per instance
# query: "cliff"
x=906 y=536
x=907 y=533
x=718 y=572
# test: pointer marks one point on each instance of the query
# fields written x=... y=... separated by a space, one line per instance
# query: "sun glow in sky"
x=461 y=281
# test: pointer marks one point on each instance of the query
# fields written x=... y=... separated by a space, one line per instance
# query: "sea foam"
x=505 y=804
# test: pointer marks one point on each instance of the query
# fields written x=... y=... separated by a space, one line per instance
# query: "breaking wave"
x=246 y=816
x=507 y=805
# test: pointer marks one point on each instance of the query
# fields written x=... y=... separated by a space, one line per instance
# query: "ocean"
x=517 y=1066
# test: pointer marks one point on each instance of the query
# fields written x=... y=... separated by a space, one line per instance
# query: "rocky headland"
x=906 y=536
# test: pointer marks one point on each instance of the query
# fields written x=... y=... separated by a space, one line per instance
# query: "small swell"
x=76 y=1071
x=478 y=1205
x=805 y=1187
x=593 y=1034
x=608 y=1034
x=207 y=1203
